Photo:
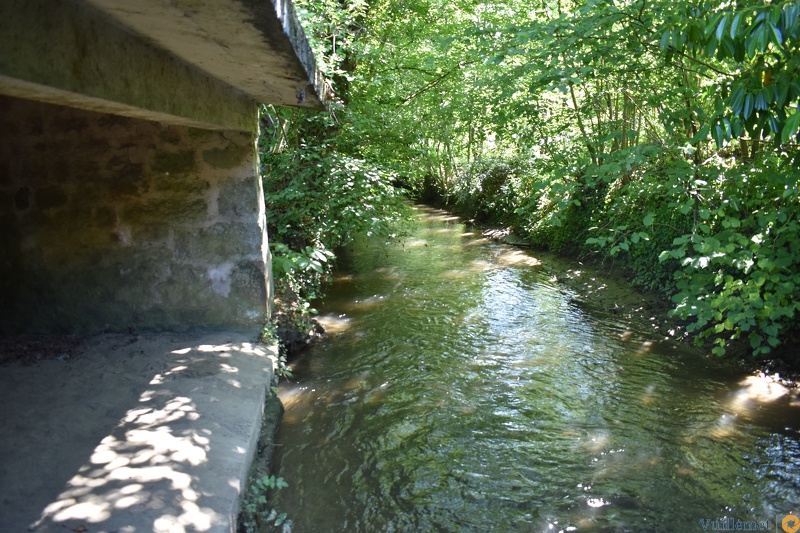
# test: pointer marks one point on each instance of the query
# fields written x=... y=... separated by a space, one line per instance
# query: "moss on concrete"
x=180 y=162
x=154 y=210
x=226 y=158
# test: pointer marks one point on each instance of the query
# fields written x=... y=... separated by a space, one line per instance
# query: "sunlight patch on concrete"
x=175 y=457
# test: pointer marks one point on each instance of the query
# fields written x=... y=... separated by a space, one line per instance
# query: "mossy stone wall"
x=111 y=223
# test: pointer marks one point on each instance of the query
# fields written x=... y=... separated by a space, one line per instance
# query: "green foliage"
x=318 y=199
x=487 y=188
x=758 y=46
x=738 y=275
x=270 y=336
x=659 y=135
x=256 y=512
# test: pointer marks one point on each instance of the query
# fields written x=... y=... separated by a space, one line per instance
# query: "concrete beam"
x=257 y=46
x=199 y=63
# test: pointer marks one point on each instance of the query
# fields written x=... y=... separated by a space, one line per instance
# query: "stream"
x=463 y=387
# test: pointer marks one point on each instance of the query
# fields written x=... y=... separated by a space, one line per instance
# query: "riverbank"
x=616 y=295
x=130 y=432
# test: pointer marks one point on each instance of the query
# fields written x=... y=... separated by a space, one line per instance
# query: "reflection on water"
x=463 y=388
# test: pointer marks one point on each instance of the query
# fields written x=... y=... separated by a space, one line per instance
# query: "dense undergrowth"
x=318 y=199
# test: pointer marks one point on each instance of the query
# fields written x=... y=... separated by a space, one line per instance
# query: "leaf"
x=721 y=27
x=735 y=24
x=701 y=135
x=752 y=40
x=712 y=24
x=775 y=35
x=790 y=127
x=648 y=219
x=748 y=106
x=665 y=39
x=711 y=46
x=760 y=103
x=719 y=138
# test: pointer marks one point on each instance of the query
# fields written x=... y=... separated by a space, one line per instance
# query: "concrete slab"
x=136 y=433
x=199 y=63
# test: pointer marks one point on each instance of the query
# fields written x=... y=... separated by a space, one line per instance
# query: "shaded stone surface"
x=162 y=228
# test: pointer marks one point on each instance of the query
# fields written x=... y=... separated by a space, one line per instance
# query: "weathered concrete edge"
x=52 y=50
x=257 y=435
x=262 y=463
x=50 y=95
x=287 y=15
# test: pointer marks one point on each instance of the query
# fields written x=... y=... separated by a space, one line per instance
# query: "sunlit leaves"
x=739 y=272
x=757 y=49
x=790 y=127
x=633 y=130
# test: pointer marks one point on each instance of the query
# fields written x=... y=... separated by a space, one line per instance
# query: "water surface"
x=462 y=387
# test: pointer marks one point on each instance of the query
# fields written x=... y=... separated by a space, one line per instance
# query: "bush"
x=318 y=199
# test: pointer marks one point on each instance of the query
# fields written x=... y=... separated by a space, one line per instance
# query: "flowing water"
x=462 y=387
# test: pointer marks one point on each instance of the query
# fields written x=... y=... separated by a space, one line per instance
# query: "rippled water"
x=462 y=388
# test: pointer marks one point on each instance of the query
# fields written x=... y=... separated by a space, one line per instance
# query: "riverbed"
x=464 y=386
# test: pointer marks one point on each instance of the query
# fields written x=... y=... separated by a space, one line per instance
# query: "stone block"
x=82 y=168
x=249 y=283
x=103 y=216
x=239 y=198
x=75 y=219
x=199 y=136
x=207 y=245
x=22 y=199
x=179 y=184
x=232 y=156
x=150 y=234
x=183 y=274
x=180 y=162
x=176 y=210
x=69 y=123
x=124 y=177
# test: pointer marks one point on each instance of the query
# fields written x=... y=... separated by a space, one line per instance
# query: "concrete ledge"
x=135 y=434
x=63 y=46
x=199 y=63
x=256 y=46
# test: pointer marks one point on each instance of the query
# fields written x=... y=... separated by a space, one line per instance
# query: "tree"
x=656 y=133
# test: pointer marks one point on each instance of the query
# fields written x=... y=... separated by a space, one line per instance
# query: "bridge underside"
x=129 y=189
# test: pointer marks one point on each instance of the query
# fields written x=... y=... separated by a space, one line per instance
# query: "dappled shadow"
x=147 y=433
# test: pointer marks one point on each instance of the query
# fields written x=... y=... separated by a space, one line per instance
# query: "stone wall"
x=111 y=223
